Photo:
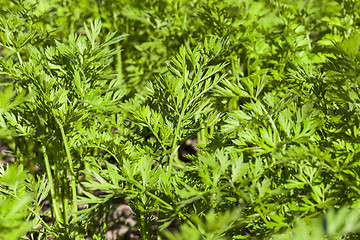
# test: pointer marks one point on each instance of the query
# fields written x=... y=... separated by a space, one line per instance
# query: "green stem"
x=144 y=231
x=175 y=146
x=174 y=149
x=108 y=151
x=119 y=64
x=202 y=139
x=211 y=131
x=19 y=57
x=160 y=200
x=262 y=215
x=72 y=176
x=65 y=200
x=55 y=206
x=272 y=123
x=188 y=221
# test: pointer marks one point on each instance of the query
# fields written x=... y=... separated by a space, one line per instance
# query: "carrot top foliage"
x=99 y=99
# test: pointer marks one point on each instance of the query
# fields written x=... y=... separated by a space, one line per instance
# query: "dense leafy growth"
x=98 y=100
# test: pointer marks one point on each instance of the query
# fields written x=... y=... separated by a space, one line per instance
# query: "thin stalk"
x=119 y=64
x=188 y=221
x=108 y=151
x=72 y=176
x=55 y=206
x=57 y=179
x=19 y=57
x=65 y=200
x=160 y=200
x=262 y=215
x=211 y=130
x=60 y=178
x=272 y=122
x=185 y=106
x=175 y=147
x=158 y=138
x=202 y=136
x=144 y=231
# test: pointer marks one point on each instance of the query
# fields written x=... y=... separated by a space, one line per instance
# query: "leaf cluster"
x=96 y=112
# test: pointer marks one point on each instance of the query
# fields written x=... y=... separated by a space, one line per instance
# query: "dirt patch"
x=5 y=154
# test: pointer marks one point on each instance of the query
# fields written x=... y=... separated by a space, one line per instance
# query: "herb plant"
x=98 y=100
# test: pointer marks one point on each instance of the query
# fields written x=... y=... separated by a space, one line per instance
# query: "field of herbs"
x=233 y=119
